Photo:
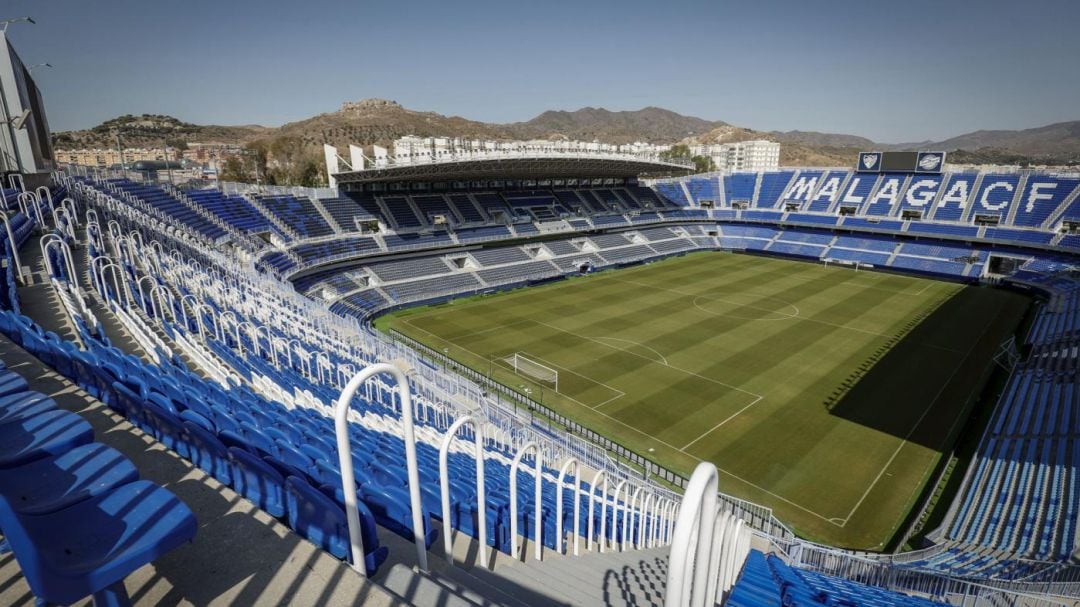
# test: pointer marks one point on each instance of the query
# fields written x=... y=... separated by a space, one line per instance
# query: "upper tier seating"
x=234 y=210
x=802 y=187
x=299 y=213
x=702 y=188
x=346 y=212
x=465 y=207
x=171 y=206
x=402 y=213
x=828 y=191
x=434 y=204
x=1040 y=198
x=773 y=185
x=367 y=203
x=673 y=192
x=995 y=196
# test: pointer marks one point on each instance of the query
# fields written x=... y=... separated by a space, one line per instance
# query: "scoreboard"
x=901 y=162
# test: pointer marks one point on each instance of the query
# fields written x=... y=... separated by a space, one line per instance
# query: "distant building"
x=107 y=157
x=25 y=141
x=757 y=155
x=412 y=149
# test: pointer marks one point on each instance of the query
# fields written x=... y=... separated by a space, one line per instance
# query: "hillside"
x=651 y=124
x=1061 y=139
x=796 y=148
x=152 y=131
x=379 y=121
x=825 y=140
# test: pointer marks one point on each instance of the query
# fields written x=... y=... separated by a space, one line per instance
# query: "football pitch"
x=824 y=393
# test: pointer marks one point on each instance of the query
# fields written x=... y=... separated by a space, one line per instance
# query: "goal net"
x=528 y=367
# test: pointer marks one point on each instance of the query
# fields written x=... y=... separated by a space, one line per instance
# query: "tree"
x=703 y=164
x=677 y=152
x=233 y=170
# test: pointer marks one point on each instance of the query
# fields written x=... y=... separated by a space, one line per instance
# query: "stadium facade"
x=25 y=140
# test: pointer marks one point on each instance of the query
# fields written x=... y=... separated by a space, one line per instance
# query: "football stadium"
x=537 y=376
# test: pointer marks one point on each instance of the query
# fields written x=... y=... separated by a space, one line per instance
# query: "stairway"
x=272 y=217
x=334 y=225
x=1017 y=200
x=636 y=577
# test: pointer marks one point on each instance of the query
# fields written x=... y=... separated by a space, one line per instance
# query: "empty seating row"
x=234 y=210
x=299 y=213
x=409 y=268
x=166 y=203
x=531 y=270
x=498 y=256
x=74 y=512
x=766 y=581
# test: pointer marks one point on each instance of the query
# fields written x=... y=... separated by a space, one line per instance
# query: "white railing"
x=345 y=460
x=708 y=547
x=241 y=189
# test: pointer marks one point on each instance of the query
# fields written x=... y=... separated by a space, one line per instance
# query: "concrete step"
x=474 y=589
x=613 y=578
x=501 y=590
x=421 y=590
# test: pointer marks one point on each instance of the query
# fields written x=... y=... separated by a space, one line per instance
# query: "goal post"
x=523 y=365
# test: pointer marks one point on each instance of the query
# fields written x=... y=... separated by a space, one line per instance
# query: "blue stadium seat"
x=322 y=521
x=51 y=484
x=24 y=404
x=390 y=505
x=48 y=433
x=90 y=547
x=11 y=383
x=257 y=481
x=208 y=453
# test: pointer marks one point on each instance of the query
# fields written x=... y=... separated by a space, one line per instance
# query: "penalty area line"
x=717 y=426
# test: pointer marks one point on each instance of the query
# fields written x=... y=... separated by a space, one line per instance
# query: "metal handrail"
x=348 y=481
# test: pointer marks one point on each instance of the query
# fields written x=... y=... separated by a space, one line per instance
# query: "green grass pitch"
x=822 y=392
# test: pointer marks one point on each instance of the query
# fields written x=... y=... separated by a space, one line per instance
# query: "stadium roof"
x=556 y=166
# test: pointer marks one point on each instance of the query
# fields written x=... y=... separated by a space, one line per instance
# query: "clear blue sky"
x=899 y=71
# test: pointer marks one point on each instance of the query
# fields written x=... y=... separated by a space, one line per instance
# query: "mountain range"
x=379 y=121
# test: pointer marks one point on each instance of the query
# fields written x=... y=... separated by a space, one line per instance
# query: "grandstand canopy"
x=555 y=167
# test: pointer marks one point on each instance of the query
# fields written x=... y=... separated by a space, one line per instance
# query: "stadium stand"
x=299 y=214
x=267 y=436
x=767 y=580
x=234 y=210
x=401 y=212
x=772 y=186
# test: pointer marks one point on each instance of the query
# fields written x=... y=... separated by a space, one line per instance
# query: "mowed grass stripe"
x=856 y=341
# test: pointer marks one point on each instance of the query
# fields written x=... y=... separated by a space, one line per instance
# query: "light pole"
x=37 y=65
x=165 y=155
x=254 y=163
x=119 y=149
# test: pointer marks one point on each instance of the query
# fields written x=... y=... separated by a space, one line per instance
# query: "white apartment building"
x=757 y=155
x=412 y=146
